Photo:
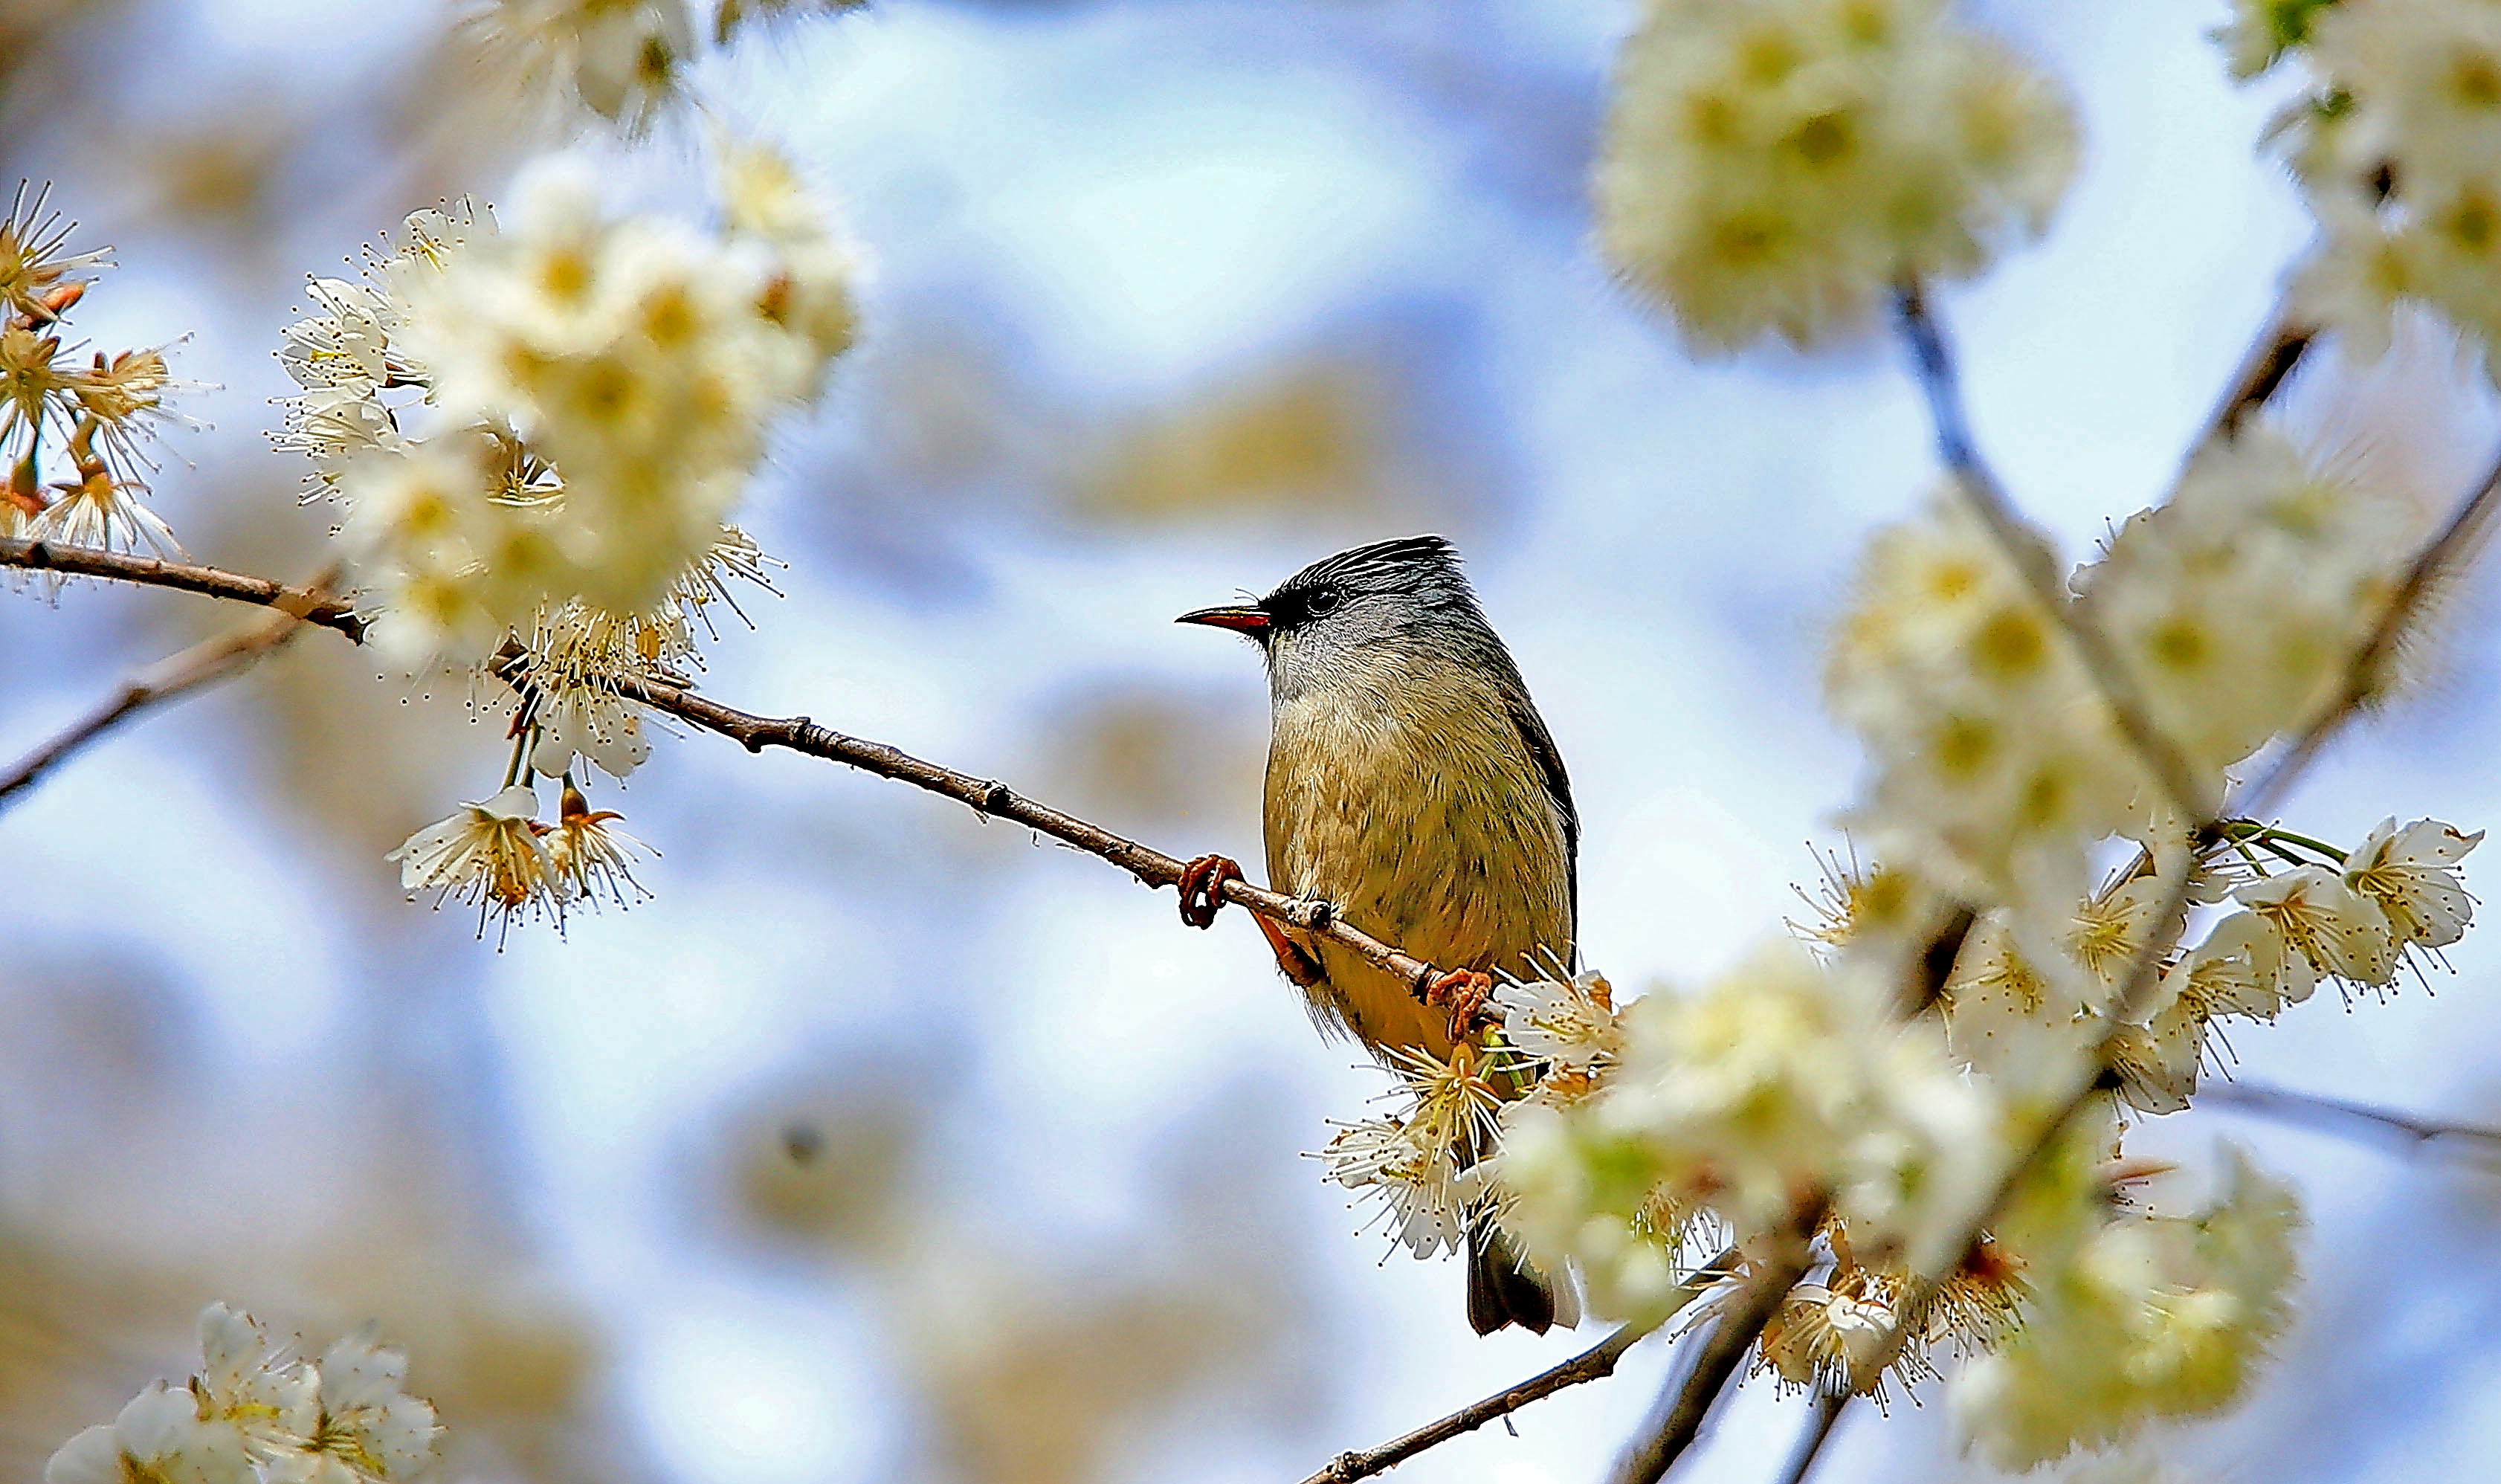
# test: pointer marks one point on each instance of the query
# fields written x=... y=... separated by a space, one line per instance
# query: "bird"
x=1413 y=786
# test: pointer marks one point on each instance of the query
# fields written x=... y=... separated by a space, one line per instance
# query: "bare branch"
x=1677 y=1422
x=1590 y=1365
x=312 y=607
x=1828 y=1407
x=754 y=732
x=202 y=664
x=997 y=799
x=2334 y=1115
x=2270 y=363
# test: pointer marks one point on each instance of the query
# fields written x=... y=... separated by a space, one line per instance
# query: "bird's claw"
x=1200 y=883
x=1465 y=990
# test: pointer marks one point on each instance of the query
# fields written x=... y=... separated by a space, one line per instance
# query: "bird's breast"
x=1409 y=799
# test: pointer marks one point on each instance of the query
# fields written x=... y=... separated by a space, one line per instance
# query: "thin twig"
x=1687 y=1402
x=1828 y=1407
x=1588 y=1365
x=2269 y=364
x=755 y=734
x=997 y=799
x=2335 y=1115
x=2032 y=559
x=202 y=664
x=321 y=608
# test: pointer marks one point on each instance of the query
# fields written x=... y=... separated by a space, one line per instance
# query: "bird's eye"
x=1323 y=601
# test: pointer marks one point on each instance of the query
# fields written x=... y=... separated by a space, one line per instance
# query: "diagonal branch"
x=2334 y=1115
x=997 y=799
x=2439 y=559
x=754 y=732
x=1589 y=1364
x=2269 y=364
x=202 y=664
x=1677 y=1423
x=312 y=607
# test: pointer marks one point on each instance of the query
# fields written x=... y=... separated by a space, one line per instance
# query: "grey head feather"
x=1407 y=596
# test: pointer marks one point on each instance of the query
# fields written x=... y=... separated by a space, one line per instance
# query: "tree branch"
x=2335 y=1115
x=755 y=734
x=2269 y=364
x=1820 y=1423
x=312 y=607
x=202 y=664
x=1588 y=1365
x=997 y=799
x=1685 y=1405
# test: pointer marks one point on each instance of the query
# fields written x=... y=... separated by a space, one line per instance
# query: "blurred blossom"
x=2237 y=598
x=1777 y=168
x=2395 y=148
x=1995 y=759
x=2149 y=1316
x=622 y=60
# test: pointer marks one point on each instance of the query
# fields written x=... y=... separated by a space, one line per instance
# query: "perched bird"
x=1413 y=788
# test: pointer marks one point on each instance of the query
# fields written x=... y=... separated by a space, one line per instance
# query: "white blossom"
x=2412 y=876
x=158 y=1439
x=2239 y=601
x=2398 y=155
x=622 y=60
x=490 y=853
x=1995 y=761
x=1779 y=1083
x=1422 y=1163
x=259 y=1413
x=372 y=1429
x=2338 y=932
x=1777 y=166
x=2146 y=1317
x=591 y=857
x=1568 y=1021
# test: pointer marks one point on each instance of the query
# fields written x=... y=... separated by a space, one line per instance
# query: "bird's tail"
x=1504 y=1288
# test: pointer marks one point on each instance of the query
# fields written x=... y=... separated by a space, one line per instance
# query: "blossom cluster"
x=1780 y=1083
x=621 y=61
x=539 y=435
x=1777 y=169
x=75 y=423
x=2398 y=147
x=256 y=1413
x=2138 y=1317
x=1423 y=1162
x=2055 y=894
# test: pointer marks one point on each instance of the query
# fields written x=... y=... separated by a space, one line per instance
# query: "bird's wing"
x=1540 y=743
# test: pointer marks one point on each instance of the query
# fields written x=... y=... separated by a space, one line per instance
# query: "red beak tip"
x=1246 y=620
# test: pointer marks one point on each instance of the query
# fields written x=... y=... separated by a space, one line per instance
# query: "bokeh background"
x=887 y=1145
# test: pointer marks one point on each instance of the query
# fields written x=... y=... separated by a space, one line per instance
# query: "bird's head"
x=1383 y=600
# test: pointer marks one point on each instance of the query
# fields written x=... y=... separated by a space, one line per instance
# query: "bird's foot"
x=1200 y=883
x=1465 y=990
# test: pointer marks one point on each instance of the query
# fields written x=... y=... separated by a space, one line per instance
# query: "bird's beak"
x=1246 y=619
